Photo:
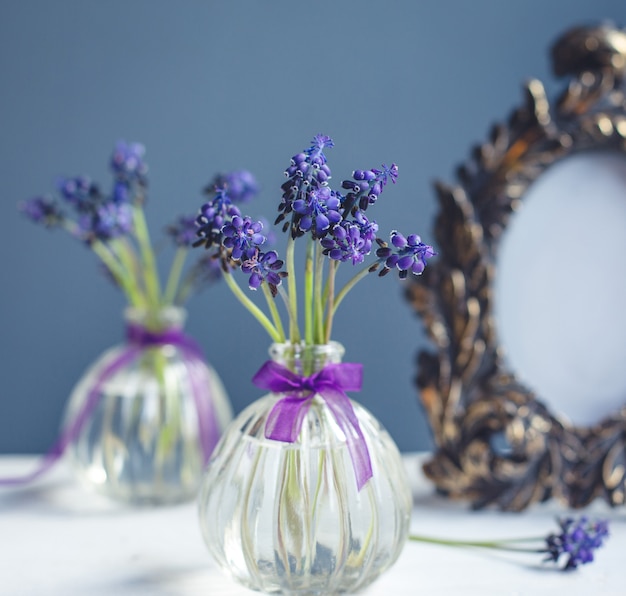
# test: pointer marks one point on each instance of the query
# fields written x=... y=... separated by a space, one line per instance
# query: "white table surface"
x=58 y=539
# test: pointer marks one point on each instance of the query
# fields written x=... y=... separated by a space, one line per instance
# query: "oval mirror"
x=524 y=390
x=560 y=287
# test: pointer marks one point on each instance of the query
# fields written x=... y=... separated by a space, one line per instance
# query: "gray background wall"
x=211 y=86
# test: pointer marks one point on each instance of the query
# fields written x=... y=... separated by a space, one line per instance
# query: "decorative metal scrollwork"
x=496 y=443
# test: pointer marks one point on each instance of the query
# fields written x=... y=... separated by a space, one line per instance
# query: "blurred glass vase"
x=143 y=420
x=306 y=492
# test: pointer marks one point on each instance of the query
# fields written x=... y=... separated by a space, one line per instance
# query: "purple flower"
x=242 y=236
x=212 y=218
x=407 y=255
x=368 y=228
x=42 y=210
x=80 y=192
x=366 y=186
x=315 y=152
x=121 y=192
x=308 y=172
x=346 y=242
x=127 y=162
x=264 y=267
x=387 y=173
x=317 y=210
x=351 y=240
x=577 y=541
x=240 y=185
x=108 y=221
x=184 y=231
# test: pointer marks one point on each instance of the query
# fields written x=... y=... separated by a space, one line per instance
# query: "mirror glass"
x=560 y=288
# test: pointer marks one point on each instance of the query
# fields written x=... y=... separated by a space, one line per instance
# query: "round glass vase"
x=288 y=517
x=144 y=418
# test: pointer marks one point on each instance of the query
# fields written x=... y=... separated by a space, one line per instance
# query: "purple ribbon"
x=284 y=422
x=138 y=338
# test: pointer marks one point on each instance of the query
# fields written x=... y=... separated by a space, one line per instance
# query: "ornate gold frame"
x=475 y=406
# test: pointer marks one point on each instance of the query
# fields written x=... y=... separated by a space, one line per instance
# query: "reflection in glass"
x=560 y=289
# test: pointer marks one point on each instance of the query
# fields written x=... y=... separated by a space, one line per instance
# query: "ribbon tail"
x=343 y=412
x=72 y=430
x=189 y=346
x=201 y=388
x=285 y=419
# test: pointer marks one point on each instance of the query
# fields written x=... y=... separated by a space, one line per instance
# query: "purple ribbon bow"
x=138 y=338
x=284 y=422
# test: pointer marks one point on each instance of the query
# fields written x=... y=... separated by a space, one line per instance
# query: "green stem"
x=246 y=533
x=121 y=276
x=493 y=544
x=292 y=320
x=294 y=332
x=256 y=312
x=319 y=301
x=271 y=304
x=309 y=282
x=349 y=285
x=173 y=280
x=127 y=255
x=169 y=410
x=331 y=299
x=150 y=271
x=125 y=250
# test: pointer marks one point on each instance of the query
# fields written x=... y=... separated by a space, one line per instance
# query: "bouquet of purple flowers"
x=336 y=229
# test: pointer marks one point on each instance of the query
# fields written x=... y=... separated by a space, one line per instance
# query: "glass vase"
x=145 y=417
x=289 y=518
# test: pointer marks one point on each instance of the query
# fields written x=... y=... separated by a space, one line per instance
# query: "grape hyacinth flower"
x=212 y=217
x=335 y=230
x=80 y=192
x=43 y=210
x=242 y=236
x=577 y=541
x=218 y=226
x=315 y=152
x=346 y=242
x=366 y=186
x=127 y=162
x=317 y=210
x=264 y=267
x=351 y=240
x=241 y=185
x=121 y=193
x=408 y=255
x=113 y=225
x=108 y=221
x=307 y=173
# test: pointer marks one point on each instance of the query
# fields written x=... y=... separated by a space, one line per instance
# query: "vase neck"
x=169 y=318
x=306 y=359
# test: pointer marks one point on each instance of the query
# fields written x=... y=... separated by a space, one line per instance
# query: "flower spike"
x=307 y=175
x=577 y=541
x=337 y=231
x=408 y=255
x=43 y=210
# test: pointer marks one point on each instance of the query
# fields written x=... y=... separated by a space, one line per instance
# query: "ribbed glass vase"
x=145 y=417
x=288 y=517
